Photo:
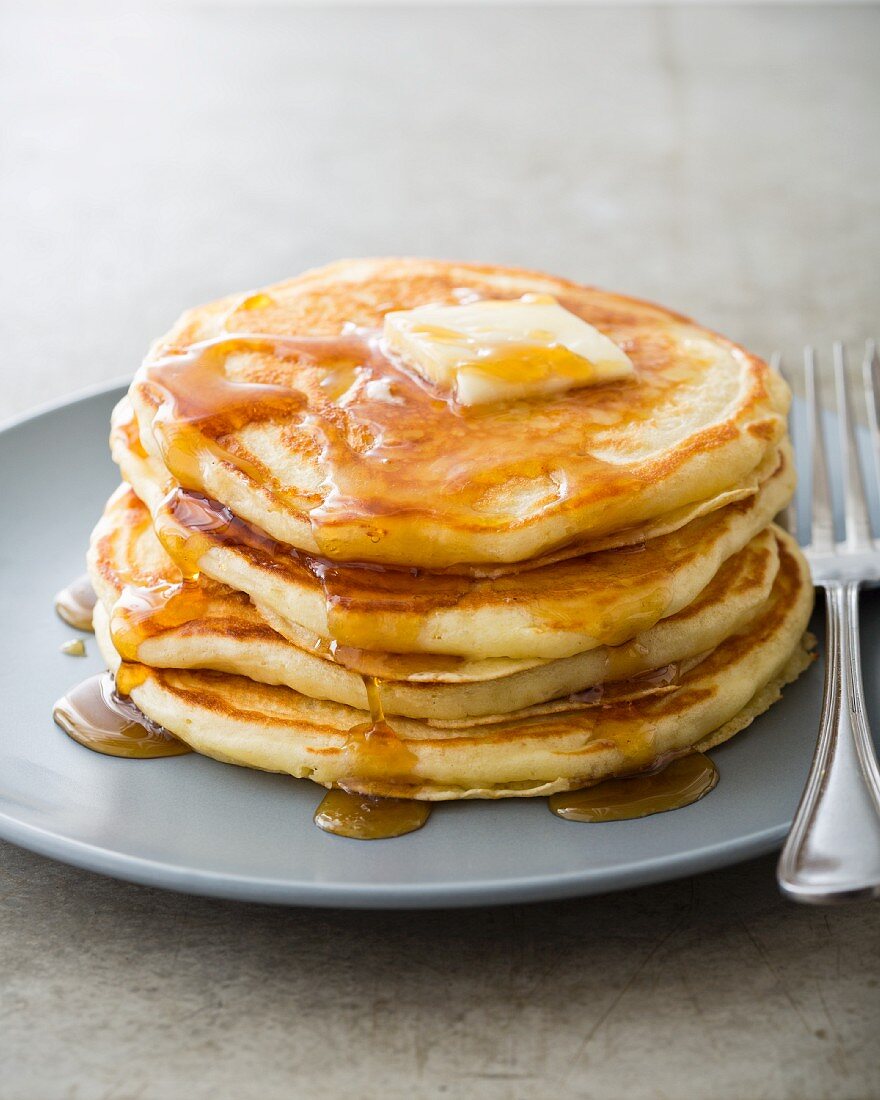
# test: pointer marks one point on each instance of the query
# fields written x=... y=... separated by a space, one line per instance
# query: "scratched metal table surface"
x=724 y=161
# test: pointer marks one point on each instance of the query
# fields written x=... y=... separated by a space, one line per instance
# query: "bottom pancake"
x=274 y=728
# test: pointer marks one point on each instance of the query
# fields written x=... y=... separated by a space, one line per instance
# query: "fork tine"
x=822 y=526
x=858 y=528
x=869 y=373
x=789 y=513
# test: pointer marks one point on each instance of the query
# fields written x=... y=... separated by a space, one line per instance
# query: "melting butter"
x=496 y=350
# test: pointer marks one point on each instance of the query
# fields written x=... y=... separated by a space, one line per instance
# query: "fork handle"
x=832 y=853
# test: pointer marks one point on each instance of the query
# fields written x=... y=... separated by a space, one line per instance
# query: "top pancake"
x=331 y=447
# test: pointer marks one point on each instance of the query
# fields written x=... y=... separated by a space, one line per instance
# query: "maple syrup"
x=199 y=399
x=189 y=524
x=655 y=681
x=75 y=603
x=141 y=612
x=375 y=754
x=681 y=782
x=365 y=817
x=98 y=717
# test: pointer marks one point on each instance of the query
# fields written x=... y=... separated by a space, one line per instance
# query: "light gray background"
x=724 y=161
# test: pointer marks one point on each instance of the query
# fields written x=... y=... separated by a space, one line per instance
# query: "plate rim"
x=446 y=895
x=86 y=393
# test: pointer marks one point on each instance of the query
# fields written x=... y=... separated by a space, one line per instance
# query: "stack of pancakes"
x=538 y=594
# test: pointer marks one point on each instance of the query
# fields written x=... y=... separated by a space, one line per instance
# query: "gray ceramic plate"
x=195 y=825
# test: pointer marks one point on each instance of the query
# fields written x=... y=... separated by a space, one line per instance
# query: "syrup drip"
x=189 y=524
x=373 y=689
x=683 y=781
x=375 y=753
x=141 y=612
x=385 y=666
x=199 y=399
x=363 y=817
x=95 y=715
x=76 y=603
x=644 y=683
x=129 y=676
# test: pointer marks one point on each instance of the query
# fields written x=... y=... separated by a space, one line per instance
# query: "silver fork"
x=832 y=853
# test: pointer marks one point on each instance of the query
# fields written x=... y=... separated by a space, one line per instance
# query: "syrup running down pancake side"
x=375 y=751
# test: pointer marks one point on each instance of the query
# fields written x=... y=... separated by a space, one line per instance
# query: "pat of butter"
x=503 y=350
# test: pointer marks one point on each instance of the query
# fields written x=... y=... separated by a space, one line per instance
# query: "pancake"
x=160 y=620
x=326 y=443
x=551 y=612
x=125 y=443
x=276 y=729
